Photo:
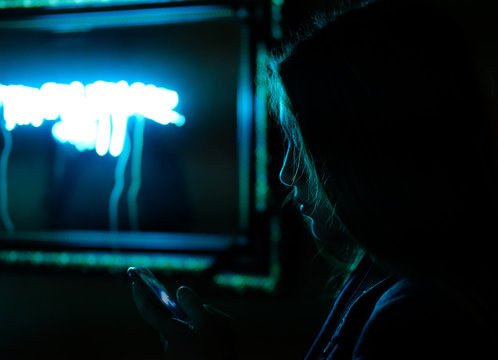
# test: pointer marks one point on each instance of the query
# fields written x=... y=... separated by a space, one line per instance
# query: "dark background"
x=63 y=314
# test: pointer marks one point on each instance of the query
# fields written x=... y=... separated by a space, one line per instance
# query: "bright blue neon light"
x=92 y=116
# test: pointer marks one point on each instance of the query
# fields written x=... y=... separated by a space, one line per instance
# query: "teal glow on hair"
x=347 y=253
x=93 y=116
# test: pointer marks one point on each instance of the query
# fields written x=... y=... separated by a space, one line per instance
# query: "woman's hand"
x=208 y=336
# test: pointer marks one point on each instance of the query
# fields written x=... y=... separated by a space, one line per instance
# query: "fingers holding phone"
x=158 y=317
x=192 y=329
x=178 y=339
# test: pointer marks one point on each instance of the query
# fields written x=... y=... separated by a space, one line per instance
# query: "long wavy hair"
x=390 y=123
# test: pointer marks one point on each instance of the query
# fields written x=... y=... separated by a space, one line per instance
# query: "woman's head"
x=387 y=127
x=309 y=193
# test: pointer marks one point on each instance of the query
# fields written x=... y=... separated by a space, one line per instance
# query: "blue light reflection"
x=92 y=116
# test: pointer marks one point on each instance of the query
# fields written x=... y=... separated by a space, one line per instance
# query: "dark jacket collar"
x=364 y=286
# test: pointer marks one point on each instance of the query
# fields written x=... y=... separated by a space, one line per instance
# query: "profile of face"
x=318 y=215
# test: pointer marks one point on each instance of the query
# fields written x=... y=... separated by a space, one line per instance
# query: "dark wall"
x=63 y=315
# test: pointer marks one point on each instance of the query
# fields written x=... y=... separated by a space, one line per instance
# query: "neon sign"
x=92 y=116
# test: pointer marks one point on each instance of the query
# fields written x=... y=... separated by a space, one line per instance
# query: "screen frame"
x=253 y=233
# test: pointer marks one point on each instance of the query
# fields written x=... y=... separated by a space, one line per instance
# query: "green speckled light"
x=260 y=118
x=104 y=260
x=243 y=283
x=66 y=3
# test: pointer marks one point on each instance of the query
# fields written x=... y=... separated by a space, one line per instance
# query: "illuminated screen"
x=124 y=128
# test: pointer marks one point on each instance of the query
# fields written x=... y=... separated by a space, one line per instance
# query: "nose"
x=286 y=173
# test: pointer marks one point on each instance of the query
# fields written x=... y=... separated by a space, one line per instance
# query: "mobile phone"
x=144 y=278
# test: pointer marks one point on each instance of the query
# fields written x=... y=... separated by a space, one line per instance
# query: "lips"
x=305 y=209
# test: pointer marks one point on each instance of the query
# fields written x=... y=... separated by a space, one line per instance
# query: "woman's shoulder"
x=404 y=293
x=411 y=321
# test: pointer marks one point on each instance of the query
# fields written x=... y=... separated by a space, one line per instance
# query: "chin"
x=314 y=230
